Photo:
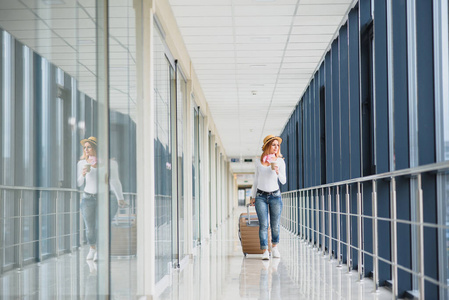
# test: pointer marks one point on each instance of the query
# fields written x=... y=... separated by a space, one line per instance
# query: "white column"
x=188 y=141
x=145 y=148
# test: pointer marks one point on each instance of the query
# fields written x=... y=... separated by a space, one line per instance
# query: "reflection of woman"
x=269 y=170
x=87 y=173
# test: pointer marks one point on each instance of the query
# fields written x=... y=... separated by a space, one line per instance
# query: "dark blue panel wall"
x=354 y=92
x=329 y=117
x=341 y=130
x=336 y=139
x=344 y=103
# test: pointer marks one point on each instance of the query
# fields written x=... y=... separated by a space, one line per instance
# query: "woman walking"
x=266 y=194
x=87 y=173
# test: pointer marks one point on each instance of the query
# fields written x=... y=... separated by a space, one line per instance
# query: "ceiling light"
x=261 y=39
x=257 y=66
x=53 y=2
x=86 y=42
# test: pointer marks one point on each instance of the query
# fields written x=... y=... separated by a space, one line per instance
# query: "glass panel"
x=162 y=161
x=48 y=90
x=122 y=147
x=181 y=99
x=195 y=173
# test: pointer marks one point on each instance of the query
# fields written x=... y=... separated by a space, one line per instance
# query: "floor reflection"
x=69 y=276
x=220 y=271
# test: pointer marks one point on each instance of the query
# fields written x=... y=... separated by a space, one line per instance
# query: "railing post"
x=57 y=224
x=71 y=222
x=323 y=235
x=303 y=215
x=348 y=231
x=394 y=245
x=420 y=239
x=317 y=217
x=20 y=232
x=307 y=217
x=312 y=232
x=292 y=216
x=40 y=226
x=329 y=205
x=290 y=205
x=359 y=232
x=296 y=213
x=2 y=247
x=375 y=238
x=339 y=260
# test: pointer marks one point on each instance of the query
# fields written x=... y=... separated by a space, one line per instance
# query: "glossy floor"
x=217 y=270
x=220 y=271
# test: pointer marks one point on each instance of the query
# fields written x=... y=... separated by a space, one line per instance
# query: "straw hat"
x=270 y=138
x=91 y=139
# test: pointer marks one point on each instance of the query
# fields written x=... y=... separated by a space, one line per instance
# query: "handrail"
x=303 y=204
x=435 y=167
x=29 y=188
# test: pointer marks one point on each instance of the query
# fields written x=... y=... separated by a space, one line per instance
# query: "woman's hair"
x=266 y=151
x=83 y=157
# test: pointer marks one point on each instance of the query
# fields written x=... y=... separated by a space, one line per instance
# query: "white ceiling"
x=254 y=60
x=63 y=32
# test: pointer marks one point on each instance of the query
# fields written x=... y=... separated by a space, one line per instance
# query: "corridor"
x=220 y=271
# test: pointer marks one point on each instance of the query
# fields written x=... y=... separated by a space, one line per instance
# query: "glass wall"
x=181 y=115
x=162 y=160
x=122 y=146
x=49 y=83
x=195 y=172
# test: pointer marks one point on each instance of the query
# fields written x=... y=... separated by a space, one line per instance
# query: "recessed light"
x=261 y=39
x=257 y=66
x=86 y=42
x=53 y=2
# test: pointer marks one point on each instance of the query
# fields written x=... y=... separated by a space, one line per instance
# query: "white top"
x=266 y=179
x=91 y=179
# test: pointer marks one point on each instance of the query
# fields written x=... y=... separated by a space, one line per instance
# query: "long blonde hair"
x=266 y=151
x=83 y=157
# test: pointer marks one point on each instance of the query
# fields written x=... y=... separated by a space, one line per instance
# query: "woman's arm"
x=282 y=177
x=79 y=172
x=115 y=183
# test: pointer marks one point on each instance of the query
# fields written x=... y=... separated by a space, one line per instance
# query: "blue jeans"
x=89 y=212
x=268 y=203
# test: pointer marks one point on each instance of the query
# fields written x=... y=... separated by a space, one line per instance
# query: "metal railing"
x=305 y=216
x=14 y=196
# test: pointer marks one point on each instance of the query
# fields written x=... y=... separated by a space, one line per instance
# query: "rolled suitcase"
x=249 y=233
x=124 y=234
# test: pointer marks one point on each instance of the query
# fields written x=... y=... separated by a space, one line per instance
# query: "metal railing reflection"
x=306 y=216
x=46 y=221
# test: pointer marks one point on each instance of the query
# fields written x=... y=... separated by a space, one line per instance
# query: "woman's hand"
x=276 y=169
x=84 y=171
x=122 y=203
x=252 y=201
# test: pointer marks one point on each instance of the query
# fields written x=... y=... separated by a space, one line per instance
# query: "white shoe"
x=96 y=256
x=266 y=255
x=275 y=252
x=92 y=253
x=92 y=267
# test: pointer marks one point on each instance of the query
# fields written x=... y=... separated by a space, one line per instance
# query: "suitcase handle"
x=247 y=208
